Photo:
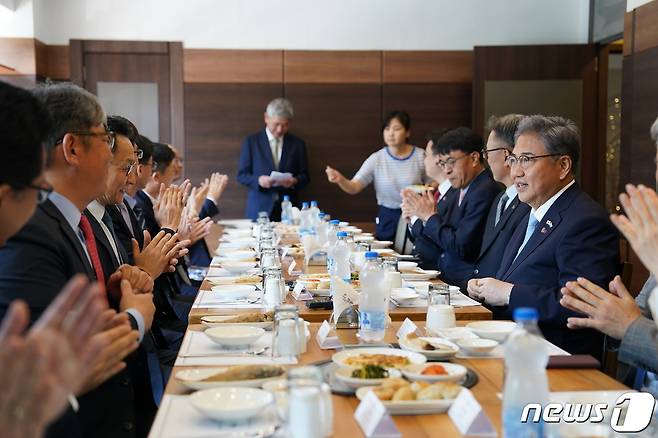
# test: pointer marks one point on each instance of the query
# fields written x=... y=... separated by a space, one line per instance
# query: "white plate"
x=419 y=275
x=239 y=267
x=234 y=335
x=410 y=407
x=220 y=320
x=226 y=247
x=237 y=256
x=345 y=375
x=233 y=291
x=455 y=372
x=403 y=294
x=496 y=330
x=231 y=403
x=411 y=345
x=340 y=357
x=194 y=379
x=363 y=238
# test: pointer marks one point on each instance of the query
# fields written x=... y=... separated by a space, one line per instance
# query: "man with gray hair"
x=273 y=163
x=566 y=235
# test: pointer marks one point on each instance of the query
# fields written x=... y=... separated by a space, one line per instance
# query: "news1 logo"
x=638 y=412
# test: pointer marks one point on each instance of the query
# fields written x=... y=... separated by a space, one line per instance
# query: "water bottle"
x=332 y=230
x=525 y=376
x=373 y=300
x=286 y=210
x=340 y=265
x=314 y=219
x=304 y=225
x=321 y=229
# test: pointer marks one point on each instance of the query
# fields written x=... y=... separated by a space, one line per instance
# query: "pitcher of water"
x=289 y=333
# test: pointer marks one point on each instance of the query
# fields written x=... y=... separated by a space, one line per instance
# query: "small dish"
x=234 y=335
x=407 y=266
x=233 y=291
x=403 y=294
x=231 y=403
x=238 y=267
x=345 y=375
x=454 y=372
x=477 y=347
x=496 y=330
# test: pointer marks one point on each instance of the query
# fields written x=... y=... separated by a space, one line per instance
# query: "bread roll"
x=404 y=393
x=450 y=390
x=418 y=386
x=384 y=393
x=395 y=383
x=432 y=392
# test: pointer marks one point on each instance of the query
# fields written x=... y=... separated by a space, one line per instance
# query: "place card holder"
x=325 y=341
x=469 y=418
x=373 y=419
x=407 y=327
x=300 y=293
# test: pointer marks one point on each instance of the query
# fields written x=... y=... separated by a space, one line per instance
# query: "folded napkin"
x=178 y=418
x=344 y=296
x=198 y=349
x=311 y=247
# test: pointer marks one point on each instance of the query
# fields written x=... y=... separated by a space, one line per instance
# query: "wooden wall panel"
x=58 y=66
x=431 y=106
x=332 y=67
x=628 y=33
x=421 y=67
x=217 y=118
x=17 y=56
x=341 y=127
x=233 y=66
x=646 y=27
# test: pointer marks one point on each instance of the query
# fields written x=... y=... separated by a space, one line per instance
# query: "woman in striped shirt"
x=392 y=168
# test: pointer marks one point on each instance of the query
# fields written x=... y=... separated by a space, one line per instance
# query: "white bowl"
x=496 y=330
x=455 y=372
x=363 y=238
x=235 y=256
x=403 y=293
x=233 y=291
x=239 y=267
x=231 y=403
x=380 y=244
x=234 y=335
x=344 y=374
x=477 y=347
x=407 y=266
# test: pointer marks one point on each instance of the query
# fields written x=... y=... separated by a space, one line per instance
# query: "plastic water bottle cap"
x=321 y=215
x=371 y=255
x=304 y=204
x=286 y=198
x=341 y=234
x=525 y=314
x=334 y=222
x=314 y=203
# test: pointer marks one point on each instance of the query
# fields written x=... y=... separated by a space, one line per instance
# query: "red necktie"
x=90 y=243
x=437 y=195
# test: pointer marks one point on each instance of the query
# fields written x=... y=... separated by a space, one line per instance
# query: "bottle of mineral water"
x=373 y=300
x=525 y=376
x=332 y=230
x=340 y=266
x=286 y=210
x=314 y=219
x=304 y=224
x=321 y=229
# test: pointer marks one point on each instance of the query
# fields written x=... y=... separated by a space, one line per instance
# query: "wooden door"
x=145 y=77
x=545 y=79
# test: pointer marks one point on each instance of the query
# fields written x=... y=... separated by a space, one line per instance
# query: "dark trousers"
x=387 y=223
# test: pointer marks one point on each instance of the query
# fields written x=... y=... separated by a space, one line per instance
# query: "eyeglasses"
x=108 y=137
x=128 y=168
x=525 y=161
x=485 y=152
x=42 y=192
x=450 y=162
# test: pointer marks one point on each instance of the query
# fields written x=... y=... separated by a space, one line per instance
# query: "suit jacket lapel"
x=265 y=149
x=99 y=234
x=491 y=231
x=73 y=239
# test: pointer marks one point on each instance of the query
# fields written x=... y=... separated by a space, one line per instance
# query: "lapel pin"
x=550 y=224
x=544 y=230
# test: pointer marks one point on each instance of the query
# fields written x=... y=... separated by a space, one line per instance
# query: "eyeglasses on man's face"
x=127 y=168
x=525 y=161
x=108 y=137
x=450 y=162
x=485 y=152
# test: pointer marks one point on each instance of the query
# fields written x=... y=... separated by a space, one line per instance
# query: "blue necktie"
x=532 y=224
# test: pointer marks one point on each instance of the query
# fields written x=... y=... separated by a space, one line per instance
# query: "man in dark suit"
x=272 y=149
x=566 y=235
x=57 y=242
x=457 y=234
x=506 y=210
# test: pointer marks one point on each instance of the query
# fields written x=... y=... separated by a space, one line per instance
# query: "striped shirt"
x=391 y=174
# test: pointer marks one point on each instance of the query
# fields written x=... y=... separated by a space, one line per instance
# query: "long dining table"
x=487 y=391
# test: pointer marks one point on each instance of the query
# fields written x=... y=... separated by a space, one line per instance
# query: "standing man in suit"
x=456 y=235
x=507 y=210
x=566 y=235
x=273 y=149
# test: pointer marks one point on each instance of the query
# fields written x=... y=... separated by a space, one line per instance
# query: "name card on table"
x=284 y=251
x=407 y=327
x=374 y=420
x=325 y=341
x=300 y=293
x=469 y=418
x=291 y=268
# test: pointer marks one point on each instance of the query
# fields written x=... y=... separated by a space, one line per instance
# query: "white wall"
x=316 y=24
x=632 y=4
x=19 y=22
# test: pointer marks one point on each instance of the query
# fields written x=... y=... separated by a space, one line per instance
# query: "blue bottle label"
x=373 y=321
